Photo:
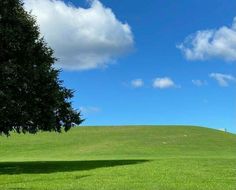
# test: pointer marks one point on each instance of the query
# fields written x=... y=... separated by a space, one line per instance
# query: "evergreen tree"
x=32 y=97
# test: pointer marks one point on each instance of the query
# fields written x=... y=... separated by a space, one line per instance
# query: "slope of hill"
x=140 y=158
x=87 y=143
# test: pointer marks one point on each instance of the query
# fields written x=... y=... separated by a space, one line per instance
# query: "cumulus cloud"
x=199 y=83
x=83 y=38
x=206 y=44
x=137 y=83
x=223 y=79
x=164 y=82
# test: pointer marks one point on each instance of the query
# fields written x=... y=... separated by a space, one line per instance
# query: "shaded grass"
x=47 y=167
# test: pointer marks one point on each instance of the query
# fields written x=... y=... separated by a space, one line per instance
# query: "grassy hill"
x=117 y=158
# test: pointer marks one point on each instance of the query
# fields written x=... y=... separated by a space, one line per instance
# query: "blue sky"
x=168 y=63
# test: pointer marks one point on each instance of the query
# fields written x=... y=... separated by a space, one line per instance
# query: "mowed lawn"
x=120 y=158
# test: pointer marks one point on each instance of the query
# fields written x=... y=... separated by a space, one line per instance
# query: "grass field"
x=120 y=158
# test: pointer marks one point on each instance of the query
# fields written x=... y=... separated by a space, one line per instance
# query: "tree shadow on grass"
x=45 y=167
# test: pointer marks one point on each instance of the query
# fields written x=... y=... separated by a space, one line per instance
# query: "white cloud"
x=199 y=83
x=137 y=83
x=83 y=38
x=89 y=109
x=164 y=82
x=223 y=79
x=206 y=44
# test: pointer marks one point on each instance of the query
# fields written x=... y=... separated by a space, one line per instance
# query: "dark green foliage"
x=32 y=97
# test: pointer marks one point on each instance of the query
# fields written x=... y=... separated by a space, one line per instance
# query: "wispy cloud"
x=163 y=83
x=206 y=44
x=137 y=83
x=83 y=38
x=89 y=109
x=199 y=83
x=223 y=79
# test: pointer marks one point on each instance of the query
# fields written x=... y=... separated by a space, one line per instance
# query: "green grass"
x=120 y=158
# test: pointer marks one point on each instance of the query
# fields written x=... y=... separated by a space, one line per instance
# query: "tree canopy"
x=32 y=97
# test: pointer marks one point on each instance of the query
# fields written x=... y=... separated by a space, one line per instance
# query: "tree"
x=32 y=97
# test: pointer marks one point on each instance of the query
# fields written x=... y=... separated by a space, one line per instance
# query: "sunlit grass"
x=117 y=158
